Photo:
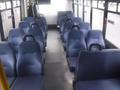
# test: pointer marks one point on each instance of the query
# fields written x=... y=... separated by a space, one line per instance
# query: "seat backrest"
x=41 y=26
x=95 y=40
x=67 y=25
x=85 y=27
x=29 y=60
x=7 y=59
x=24 y=26
x=30 y=20
x=76 y=42
x=37 y=33
x=15 y=38
x=77 y=20
x=60 y=15
x=69 y=13
x=98 y=65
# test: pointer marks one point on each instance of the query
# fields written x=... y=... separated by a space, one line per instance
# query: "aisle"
x=57 y=75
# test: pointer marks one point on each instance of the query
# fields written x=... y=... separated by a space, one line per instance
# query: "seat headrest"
x=75 y=34
x=77 y=20
x=95 y=39
x=24 y=26
x=85 y=25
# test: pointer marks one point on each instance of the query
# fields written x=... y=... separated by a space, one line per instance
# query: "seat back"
x=85 y=27
x=29 y=60
x=66 y=25
x=30 y=20
x=76 y=42
x=38 y=23
x=7 y=58
x=24 y=26
x=98 y=65
x=37 y=33
x=77 y=20
x=95 y=40
x=15 y=38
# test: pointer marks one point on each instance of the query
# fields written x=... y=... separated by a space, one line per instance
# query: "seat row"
x=23 y=55
x=78 y=36
x=95 y=67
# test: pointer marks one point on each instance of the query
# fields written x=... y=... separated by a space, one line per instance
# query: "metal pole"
x=3 y=80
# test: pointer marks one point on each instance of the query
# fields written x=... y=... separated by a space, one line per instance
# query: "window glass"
x=18 y=2
x=2 y=5
x=87 y=14
x=27 y=2
x=14 y=3
x=94 y=3
x=8 y=4
x=75 y=9
x=97 y=19
x=75 y=1
x=85 y=2
x=112 y=6
x=101 y=4
x=119 y=7
x=80 y=9
x=113 y=29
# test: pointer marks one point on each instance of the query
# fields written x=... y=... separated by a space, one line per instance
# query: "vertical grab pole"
x=3 y=80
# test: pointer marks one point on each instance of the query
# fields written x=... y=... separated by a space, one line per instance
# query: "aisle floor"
x=57 y=74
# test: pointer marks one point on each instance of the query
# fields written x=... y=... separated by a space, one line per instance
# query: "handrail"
x=3 y=79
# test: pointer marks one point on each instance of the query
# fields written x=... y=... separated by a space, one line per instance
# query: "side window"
x=14 y=3
x=101 y=4
x=8 y=4
x=2 y=5
x=80 y=9
x=18 y=2
x=113 y=29
x=112 y=6
x=75 y=7
x=97 y=19
x=94 y=3
x=119 y=7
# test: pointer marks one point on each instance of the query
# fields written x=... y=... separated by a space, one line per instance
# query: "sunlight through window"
x=51 y=9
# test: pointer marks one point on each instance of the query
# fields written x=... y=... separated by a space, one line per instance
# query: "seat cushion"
x=72 y=62
x=10 y=80
x=108 y=84
x=28 y=83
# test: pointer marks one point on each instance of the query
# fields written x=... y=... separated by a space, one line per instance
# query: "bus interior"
x=59 y=45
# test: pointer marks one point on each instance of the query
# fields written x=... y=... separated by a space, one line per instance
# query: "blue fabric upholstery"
x=41 y=26
x=95 y=40
x=24 y=26
x=62 y=14
x=38 y=35
x=29 y=60
x=68 y=27
x=15 y=38
x=85 y=27
x=76 y=43
x=28 y=83
x=72 y=63
x=98 y=70
x=30 y=20
x=7 y=58
x=98 y=65
x=106 y=84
